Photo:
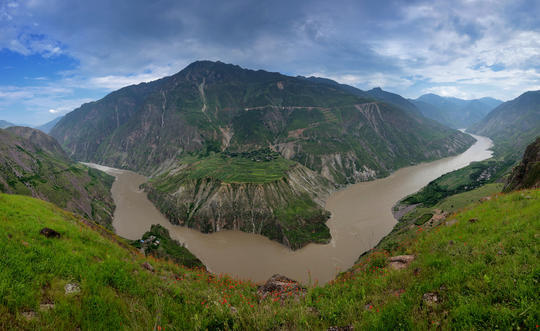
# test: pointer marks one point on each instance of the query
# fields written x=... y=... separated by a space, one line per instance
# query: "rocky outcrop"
x=288 y=210
x=280 y=287
x=527 y=173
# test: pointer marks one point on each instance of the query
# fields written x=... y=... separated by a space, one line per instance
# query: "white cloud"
x=53 y=111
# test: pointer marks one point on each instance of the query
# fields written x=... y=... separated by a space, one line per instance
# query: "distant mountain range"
x=47 y=127
x=33 y=163
x=454 y=112
x=5 y=124
x=243 y=131
x=512 y=125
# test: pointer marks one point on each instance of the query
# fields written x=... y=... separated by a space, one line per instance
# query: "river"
x=361 y=217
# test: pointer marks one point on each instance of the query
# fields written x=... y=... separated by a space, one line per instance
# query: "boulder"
x=49 y=233
x=280 y=286
x=148 y=266
x=400 y=261
x=72 y=288
x=430 y=298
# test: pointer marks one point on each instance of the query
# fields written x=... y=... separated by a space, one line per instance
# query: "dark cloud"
x=405 y=46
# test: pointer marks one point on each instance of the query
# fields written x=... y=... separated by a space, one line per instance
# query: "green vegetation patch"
x=465 y=179
x=258 y=167
x=158 y=243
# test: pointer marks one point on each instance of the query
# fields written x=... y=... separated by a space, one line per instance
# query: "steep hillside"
x=475 y=270
x=212 y=109
x=527 y=173
x=512 y=125
x=394 y=99
x=454 y=112
x=258 y=192
x=32 y=163
x=220 y=106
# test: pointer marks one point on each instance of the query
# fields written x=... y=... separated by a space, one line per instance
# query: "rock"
x=148 y=266
x=46 y=306
x=29 y=315
x=451 y=222
x=473 y=220
x=400 y=261
x=49 y=233
x=430 y=298
x=72 y=288
x=280 y=285
x=341 y=328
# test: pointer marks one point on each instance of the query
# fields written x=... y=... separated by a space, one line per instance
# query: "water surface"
x=361 y=217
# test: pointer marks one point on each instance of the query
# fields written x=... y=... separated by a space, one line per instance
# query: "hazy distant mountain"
x=212 y=131
x=33 y=163
x=455 y=112
x=512 y=125
x=49 y=125
x=5 y=124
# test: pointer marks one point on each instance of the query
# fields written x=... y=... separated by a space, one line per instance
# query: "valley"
x=361 y=216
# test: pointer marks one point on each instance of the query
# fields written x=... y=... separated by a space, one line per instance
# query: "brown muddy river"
x=361 y=216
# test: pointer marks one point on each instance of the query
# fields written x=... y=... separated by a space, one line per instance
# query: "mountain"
x=454 y=112
x=32 y=163
x=512 y=125
x=5 y=124
x=394 y=99
x=527 y=173
x=212 y=122
x=49 y=125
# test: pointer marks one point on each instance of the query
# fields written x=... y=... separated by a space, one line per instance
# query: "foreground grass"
x=485 y=274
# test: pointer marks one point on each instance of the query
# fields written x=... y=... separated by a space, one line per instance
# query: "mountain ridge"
x=213 y=111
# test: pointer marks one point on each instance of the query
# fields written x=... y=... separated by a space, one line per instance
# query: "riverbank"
x=361 y=217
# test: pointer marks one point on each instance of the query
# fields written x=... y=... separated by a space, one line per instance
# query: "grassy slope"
x=485 y=274
x=453 y=203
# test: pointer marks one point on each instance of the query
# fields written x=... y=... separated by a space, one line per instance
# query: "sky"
x=58 y=54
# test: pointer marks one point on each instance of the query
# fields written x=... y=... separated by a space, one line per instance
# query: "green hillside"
x=479 y=274
x=32 y=163
x=512 y=125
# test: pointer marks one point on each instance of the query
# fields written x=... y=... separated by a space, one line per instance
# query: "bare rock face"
x=400 y=262
x=49 y=233
x=279 y=286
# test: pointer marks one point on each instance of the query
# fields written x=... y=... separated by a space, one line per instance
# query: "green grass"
x=239 y=168
x=454 y=202
x=484 y=273
x=465 y=179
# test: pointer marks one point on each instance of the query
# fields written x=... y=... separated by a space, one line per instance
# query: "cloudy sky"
x=58 y=54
